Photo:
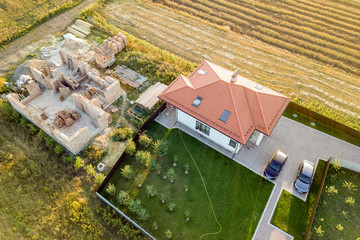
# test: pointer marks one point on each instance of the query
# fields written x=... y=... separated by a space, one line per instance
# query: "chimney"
x=234 y=76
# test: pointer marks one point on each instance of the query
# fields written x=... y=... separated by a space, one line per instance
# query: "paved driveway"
x=300 y=142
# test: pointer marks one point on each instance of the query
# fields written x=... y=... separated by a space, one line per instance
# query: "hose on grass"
x=203 y=182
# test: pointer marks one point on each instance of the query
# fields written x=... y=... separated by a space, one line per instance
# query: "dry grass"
x=320 y=87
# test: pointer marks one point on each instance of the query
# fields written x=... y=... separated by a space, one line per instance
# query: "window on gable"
x=197 y=101
x=232 y=143
x=225 y=115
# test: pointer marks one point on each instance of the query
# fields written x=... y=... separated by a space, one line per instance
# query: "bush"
x=144 y=157
x=49 y=141
x=111 y=189
x=130 y=147
x=127 y=171
x=79 y=163
x=68 y=158
x=144 y=140
x=58 y=149
x=90 y=171
x=94 y=154
x=123 y=133
x=123 y=197
x=160 y=147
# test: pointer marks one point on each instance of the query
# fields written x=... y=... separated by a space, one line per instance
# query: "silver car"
x=304 y=176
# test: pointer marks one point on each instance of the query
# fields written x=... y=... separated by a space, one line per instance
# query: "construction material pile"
x=80 y=28
x=117 y=43
x=66 y=118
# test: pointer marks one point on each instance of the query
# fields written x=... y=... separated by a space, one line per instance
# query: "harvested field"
x=323 y=88
x=17 y=16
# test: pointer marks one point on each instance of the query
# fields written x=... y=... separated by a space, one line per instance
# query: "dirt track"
x=22 y=46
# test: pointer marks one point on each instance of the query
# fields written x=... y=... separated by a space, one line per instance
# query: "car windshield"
x=275 y=165
x=304 y=178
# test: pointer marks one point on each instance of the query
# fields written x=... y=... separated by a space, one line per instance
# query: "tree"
x=171 y=206
x=123 y=133
x=168 y=234
x=99 y=178
x=151 y=191
x=160 y=147
x=94 y=154
x=111 y=189
x=144 y=140
x=143 y=214
x=127 y=171
x=130 y=147
x=123 y=197
x=58 y=149
x=90 y=171
x=79 y=163
x=144 y=157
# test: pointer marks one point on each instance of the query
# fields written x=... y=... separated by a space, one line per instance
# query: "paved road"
x=21 y=47
x=300 y=142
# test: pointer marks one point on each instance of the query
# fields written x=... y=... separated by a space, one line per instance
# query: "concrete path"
x=300 y=142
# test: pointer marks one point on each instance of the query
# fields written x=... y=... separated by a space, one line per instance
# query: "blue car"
x=275 y=165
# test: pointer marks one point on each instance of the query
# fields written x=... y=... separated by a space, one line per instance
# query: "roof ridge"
x=236 y=113
x=261 y=111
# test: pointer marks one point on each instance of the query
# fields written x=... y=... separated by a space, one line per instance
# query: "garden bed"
x=336 y=216
x=237 y=195
x=293 y=214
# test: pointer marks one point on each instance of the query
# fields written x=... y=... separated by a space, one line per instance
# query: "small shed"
x=149 y=98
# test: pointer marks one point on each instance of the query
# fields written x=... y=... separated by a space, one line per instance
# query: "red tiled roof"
x=250 y=108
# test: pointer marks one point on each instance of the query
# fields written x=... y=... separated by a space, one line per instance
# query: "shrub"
x=41 y=134
x=99 y=178
x=152 y=164
x=175 y=160
x=160 y=147
x=110 y=189
x=319 y=231
x=3 y=87
x=158 y=168
x=168 y=234
x=170 y=174
x=130 y=147
x=90 y=171
x=144 y=140
x=49 y=141
x=144 y=157
x=155 y=226
x=134 y=205
x=123 y=133
x=171 y=206
x=68 y=158
x=94 y=154
x=151 y=191
x=123 y=197
x=15 y=115
x=349 y=185
x=143 y=214
x=58 y=149
x=23 y=122
x=350 y=200
x=339 y=227
x=162 y=197
x=331 y=190
x=79 y=163
x=7 y=108
x=32 y=128
x=127 y=171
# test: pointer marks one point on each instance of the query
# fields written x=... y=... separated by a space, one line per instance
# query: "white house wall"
x=214 y=135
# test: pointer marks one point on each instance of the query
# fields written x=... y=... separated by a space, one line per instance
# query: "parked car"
x=304 y=176
x=275 y=165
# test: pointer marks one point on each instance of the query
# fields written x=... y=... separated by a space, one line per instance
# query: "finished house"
x=224 y=107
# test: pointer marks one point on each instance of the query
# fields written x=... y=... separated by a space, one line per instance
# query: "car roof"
x=280 y=156
x=308 y=168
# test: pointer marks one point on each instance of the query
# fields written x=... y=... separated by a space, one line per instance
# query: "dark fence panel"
x=308 y=230
x=321 y=118
x=135 y=138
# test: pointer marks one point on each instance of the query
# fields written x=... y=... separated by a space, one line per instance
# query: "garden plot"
x=313 y=84
x=178 y=186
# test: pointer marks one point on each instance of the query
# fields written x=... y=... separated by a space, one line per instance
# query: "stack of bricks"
x=65 y=118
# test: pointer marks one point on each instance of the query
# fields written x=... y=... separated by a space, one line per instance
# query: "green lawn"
x=237 y=194
x=301 y=118
x=292 y=214
x=331 y=206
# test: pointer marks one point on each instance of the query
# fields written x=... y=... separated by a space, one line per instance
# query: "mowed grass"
x=293 y=214
x=320 y=86
x=333 y=210
x=237 y=194
x=19 y=15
